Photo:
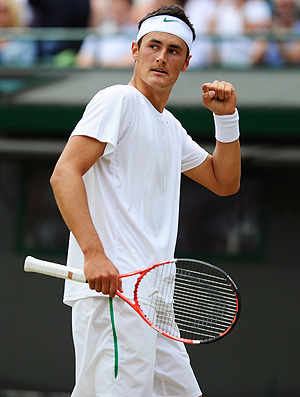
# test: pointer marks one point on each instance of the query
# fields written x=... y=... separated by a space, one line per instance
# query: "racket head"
x=188 y=300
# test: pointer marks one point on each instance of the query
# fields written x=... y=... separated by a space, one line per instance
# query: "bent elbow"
x=233 y=191
x=52 y=180
x=229 y=190
x=55 y=179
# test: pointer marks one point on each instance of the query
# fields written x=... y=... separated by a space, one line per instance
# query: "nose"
x=161 y=57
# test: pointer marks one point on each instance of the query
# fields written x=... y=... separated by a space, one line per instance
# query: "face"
x=4 y=15
x=160 y=59
x=284 y=7
x=120 y=10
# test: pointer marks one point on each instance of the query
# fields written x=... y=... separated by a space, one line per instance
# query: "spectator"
x=112 y=48
x=258 y=16
x=232 y=21
x=25 y=12
x=281 y=50
x=19 y=51
x=228 y=24
x=141 y=8
x=200 y=13
x=98 y=12
x=59 y=14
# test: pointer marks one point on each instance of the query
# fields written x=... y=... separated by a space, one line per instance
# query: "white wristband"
x=227 y=127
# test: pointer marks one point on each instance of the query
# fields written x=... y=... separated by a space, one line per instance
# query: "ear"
x=134 y=50
x=186 y=64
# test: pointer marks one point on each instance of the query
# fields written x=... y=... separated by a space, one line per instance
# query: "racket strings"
x=207 y=304
x=206 y=291
x=194 y=309
x=206 y=309
x=189 y=301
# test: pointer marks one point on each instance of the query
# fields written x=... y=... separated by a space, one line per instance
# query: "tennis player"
x=117 y=186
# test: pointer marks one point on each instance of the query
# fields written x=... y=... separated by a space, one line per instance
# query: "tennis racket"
x=184 y=299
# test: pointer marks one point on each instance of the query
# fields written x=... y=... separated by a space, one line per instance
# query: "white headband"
x=167 y=24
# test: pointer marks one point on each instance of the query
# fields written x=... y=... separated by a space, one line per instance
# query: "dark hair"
x=173 y=10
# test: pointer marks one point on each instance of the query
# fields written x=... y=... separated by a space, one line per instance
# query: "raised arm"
x=221 y=171
x=77 y=158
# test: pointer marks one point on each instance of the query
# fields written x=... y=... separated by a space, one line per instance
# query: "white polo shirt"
x=133 y=189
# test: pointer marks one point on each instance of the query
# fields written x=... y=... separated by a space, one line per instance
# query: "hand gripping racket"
x=184 y=299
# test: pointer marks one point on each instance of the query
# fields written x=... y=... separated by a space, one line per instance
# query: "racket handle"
x=53 y=269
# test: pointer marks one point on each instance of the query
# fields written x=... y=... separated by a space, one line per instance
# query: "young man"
x=117 y=185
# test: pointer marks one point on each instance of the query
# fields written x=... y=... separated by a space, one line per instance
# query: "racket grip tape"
x=53 y=269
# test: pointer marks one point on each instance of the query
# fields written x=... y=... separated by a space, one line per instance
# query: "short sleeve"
x=192 y=153
x=106 y=117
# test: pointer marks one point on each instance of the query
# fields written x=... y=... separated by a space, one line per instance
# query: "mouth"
x=160 y=71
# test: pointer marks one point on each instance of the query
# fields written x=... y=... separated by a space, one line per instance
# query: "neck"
x=158 y=97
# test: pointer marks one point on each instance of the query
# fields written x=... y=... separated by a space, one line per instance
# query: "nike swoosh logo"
x=169 y=20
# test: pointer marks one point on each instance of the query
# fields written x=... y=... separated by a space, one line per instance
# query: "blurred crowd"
x=230 y=33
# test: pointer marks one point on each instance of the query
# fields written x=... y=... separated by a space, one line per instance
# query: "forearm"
x=226 y=159
x=226 y=163
x=290 y=54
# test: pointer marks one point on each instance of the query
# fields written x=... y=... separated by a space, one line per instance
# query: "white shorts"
x=118 y=355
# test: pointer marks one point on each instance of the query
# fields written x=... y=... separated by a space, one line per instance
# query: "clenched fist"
x=220 y=97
